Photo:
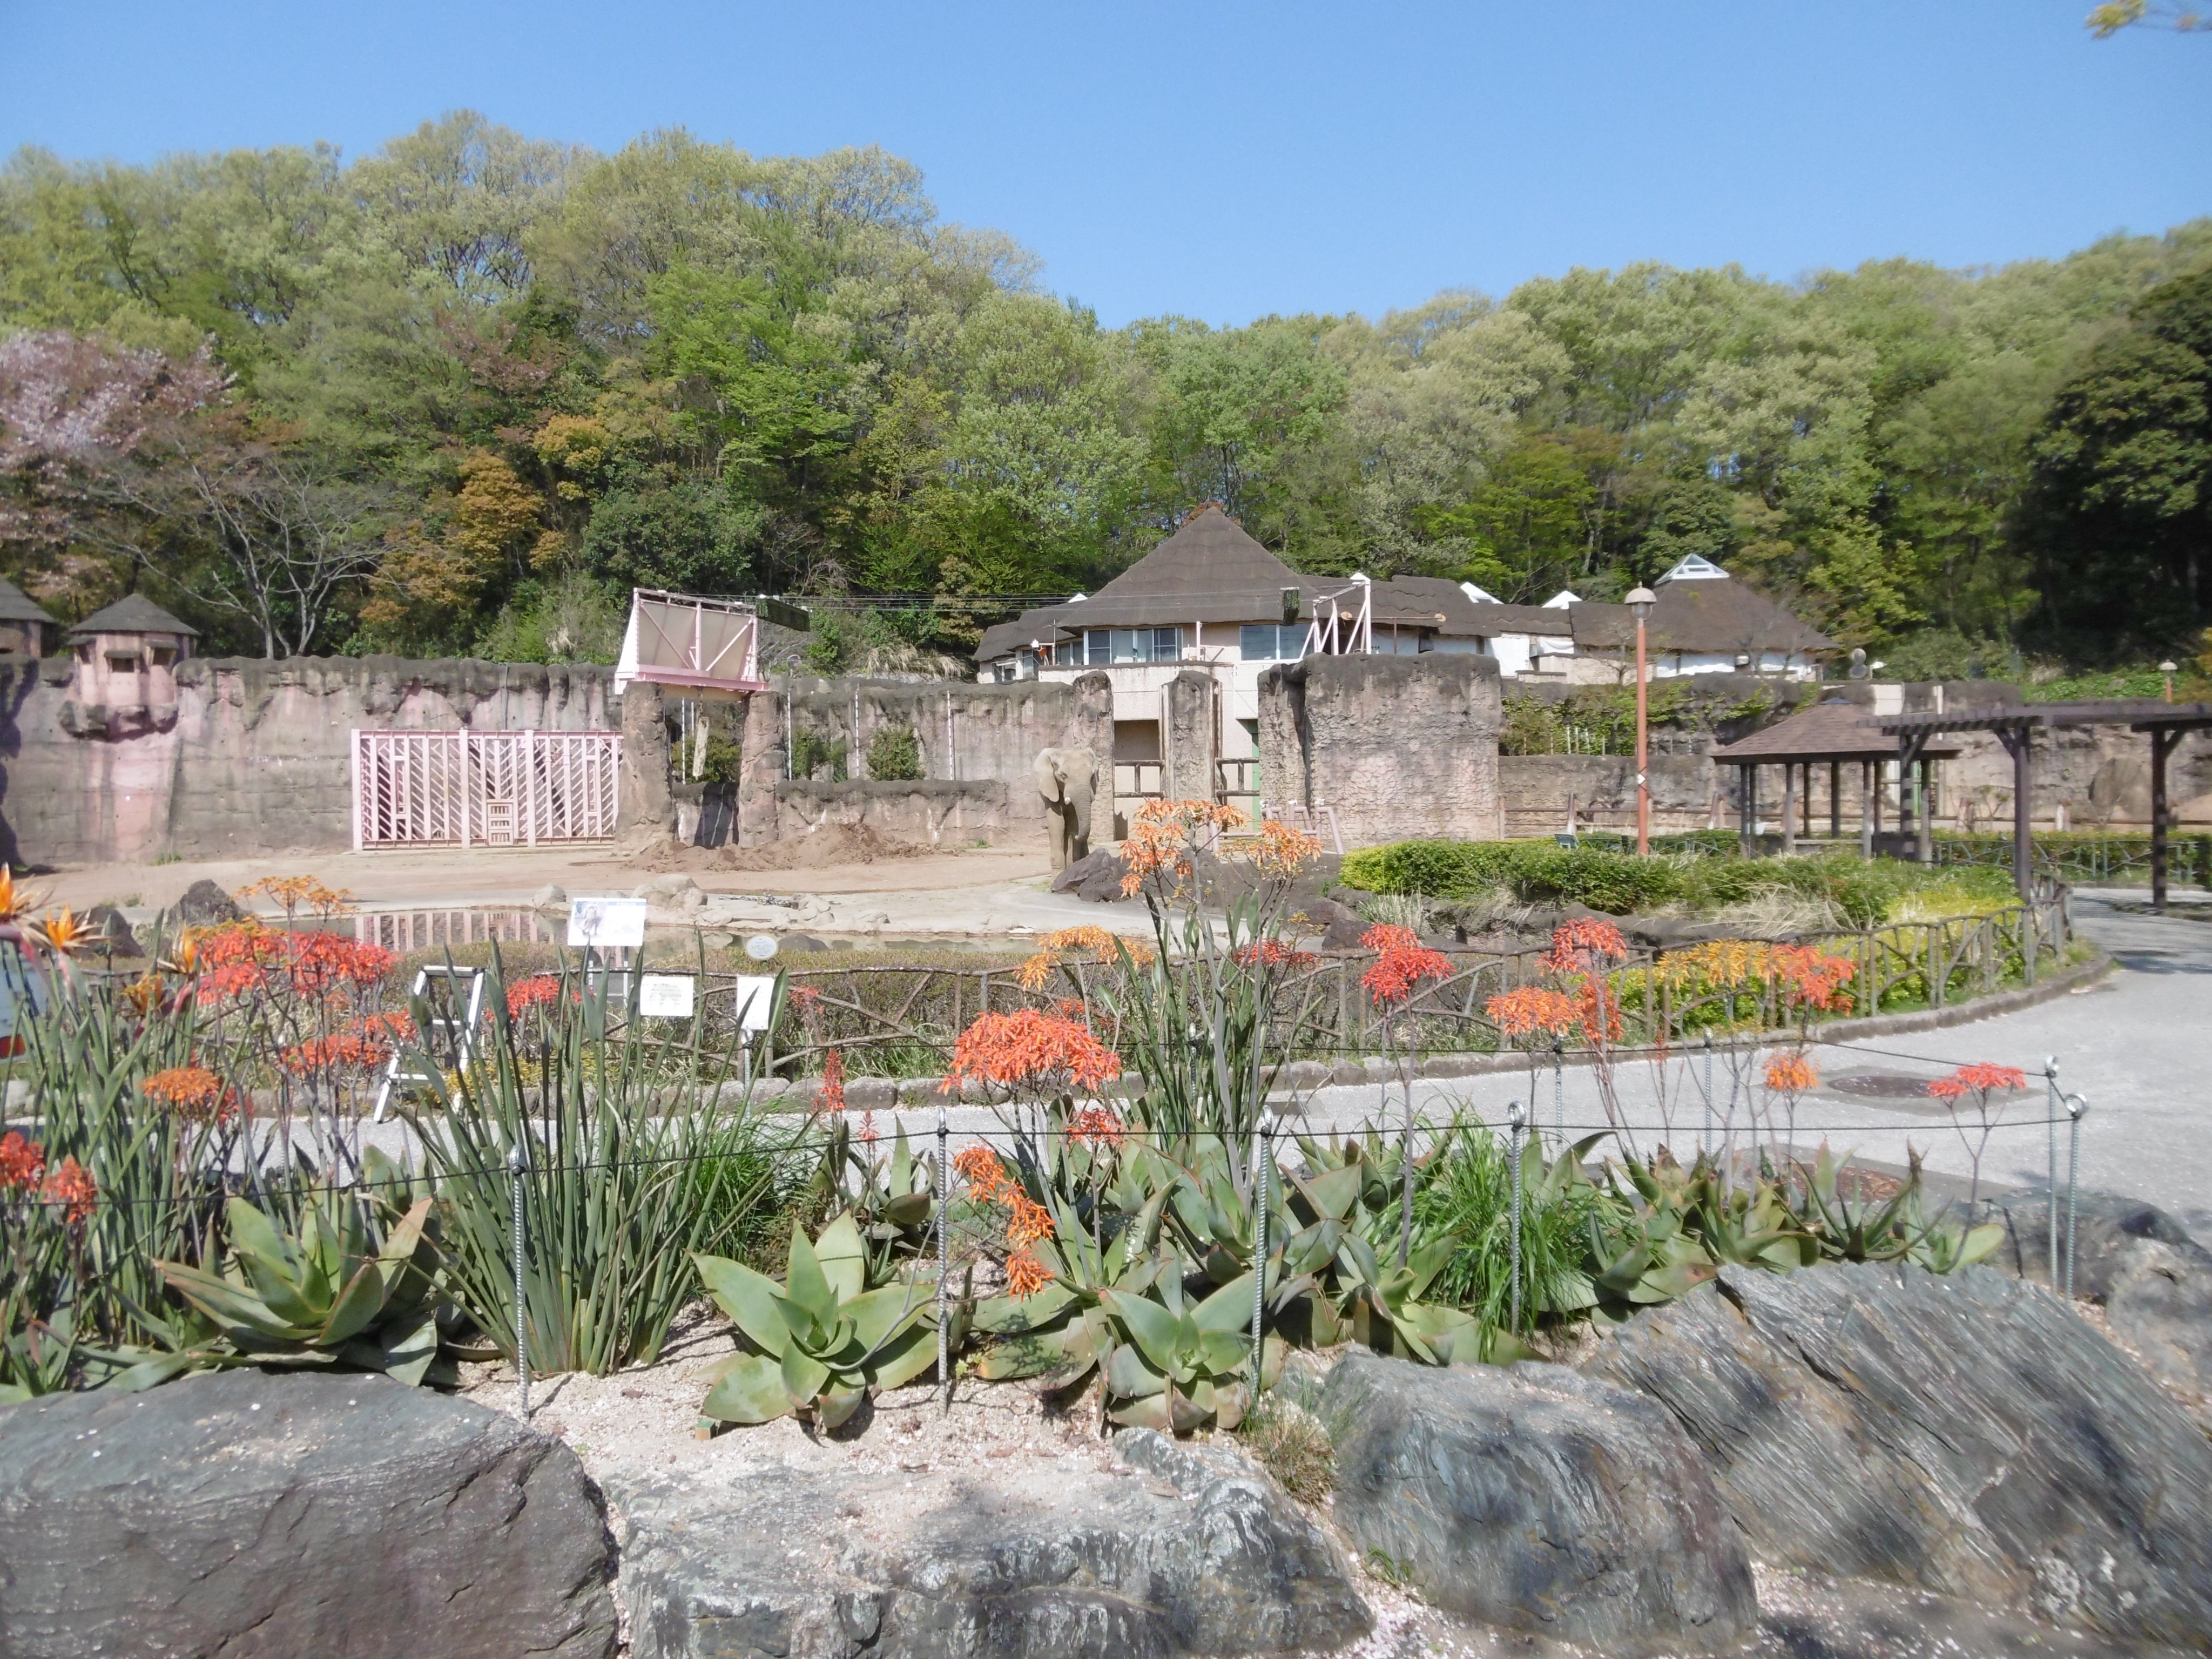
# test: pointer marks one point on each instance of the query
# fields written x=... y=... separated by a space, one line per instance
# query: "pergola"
x=2166 y=723
x=1827 y=734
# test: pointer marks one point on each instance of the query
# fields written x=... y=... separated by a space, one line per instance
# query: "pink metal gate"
x=484 y=789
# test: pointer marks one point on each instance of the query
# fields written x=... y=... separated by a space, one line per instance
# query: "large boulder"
x=1538 y=1498
x=270 y=1516
x=1192 y=1551
x=206 y=905
x=1968 y=1435
x=2153 y=1280
x=1096 y=876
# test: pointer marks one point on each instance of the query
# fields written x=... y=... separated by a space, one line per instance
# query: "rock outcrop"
x=1192 y=1550
x=1538 y=1498
x=1968 y=1435
x=2153 y=1280
x=275 y=1515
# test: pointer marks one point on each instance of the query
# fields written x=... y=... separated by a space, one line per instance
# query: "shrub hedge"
x=1624 y=885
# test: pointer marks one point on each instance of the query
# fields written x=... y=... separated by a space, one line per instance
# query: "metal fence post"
x=943 y=1257
x=1514 y=1119
x=2078 y=1106
x=515 y=1165
x=2051 y=1188
x=1705 y=1135
x=1262 y=1155
x=1559 y=1090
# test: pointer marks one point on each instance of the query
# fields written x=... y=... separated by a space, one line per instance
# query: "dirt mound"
x=832 y=844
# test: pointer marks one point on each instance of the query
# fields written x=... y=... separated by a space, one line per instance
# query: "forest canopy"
x=457 y=396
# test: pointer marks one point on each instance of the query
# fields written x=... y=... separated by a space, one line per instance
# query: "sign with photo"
x=607 y=924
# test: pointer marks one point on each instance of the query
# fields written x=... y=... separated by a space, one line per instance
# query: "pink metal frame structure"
x=709 y=646
x=484 y=789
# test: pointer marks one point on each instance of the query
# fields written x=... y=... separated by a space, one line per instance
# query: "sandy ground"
x=973 y=893
x=510 y=876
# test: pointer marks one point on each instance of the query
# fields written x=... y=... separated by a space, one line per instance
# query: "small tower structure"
x=23 y=624
x=123 y=675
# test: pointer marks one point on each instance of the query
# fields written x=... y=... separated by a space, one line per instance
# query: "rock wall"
x=1190 y=725
x=254 y=758
x=977 y=744
x=1398 y=746
x=1538 y=788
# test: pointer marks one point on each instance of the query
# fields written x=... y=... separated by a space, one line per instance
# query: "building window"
x=1104 y=646
x=122 y=663
x=1267 y=642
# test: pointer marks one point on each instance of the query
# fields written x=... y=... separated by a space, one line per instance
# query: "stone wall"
x=1538 y=790
x=1398 y=746
x=978 y=742
x=254 y=758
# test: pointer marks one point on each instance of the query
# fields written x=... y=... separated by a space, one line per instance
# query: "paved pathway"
x=2138 y=1044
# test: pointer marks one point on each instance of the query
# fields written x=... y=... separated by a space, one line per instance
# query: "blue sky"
x=1225 y=162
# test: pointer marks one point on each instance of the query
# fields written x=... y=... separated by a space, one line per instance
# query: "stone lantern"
x=123 y=679
x=23 y=625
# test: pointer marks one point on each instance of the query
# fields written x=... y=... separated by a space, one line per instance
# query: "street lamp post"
x=1640 y=600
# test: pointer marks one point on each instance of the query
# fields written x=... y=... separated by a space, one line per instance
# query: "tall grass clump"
x=1466 y=1195
x=631 y=1165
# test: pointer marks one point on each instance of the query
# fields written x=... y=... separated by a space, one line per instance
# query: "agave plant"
x=823 y=1337
x=1184 y=1362
x=1064 y=1332
x=328 y=1294
x=1892 y=1229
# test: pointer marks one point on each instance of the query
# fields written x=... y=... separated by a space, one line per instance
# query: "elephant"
x=1067 y=778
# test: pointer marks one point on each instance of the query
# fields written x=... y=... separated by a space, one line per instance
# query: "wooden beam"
x=1867 y=809
x=1835 y=801
x=1790 y=806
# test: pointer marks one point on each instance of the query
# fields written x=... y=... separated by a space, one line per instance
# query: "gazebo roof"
x=1835 y=731
x=17 y=606
x=134 y=613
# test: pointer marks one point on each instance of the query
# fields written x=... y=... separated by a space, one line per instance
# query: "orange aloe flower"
x=1030 y=1046
x=1533 y=1009
x=22 y=1162
x=979 y=1166
x=1025 y=1275
x=1790 y=1074
x=1981 y=1077
x=71 y=1188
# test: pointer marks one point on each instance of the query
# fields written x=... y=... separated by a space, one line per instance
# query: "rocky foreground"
x=1841 y=1462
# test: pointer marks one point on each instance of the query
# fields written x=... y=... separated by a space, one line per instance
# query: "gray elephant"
x=1066 y=778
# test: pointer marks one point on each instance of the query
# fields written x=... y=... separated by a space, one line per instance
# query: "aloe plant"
x=824 y=1339
x=329 y=1294
x=1064 y=1332
x=1184 y=1362
x=1890 y=1230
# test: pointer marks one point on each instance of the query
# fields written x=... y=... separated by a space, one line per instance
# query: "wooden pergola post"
x=2015 y=740
x=1790 y=806
x=1835 y=799
x=1746 y=805
x=1926 y=797
x=1869 y=812
x=2163 y=739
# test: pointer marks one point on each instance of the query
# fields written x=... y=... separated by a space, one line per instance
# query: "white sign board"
x=666 y=996
x=755 y=992
x=607 y=924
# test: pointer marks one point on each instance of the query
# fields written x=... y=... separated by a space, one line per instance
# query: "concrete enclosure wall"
x=255 y=757
x=1398 y=746
x=978 y=741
